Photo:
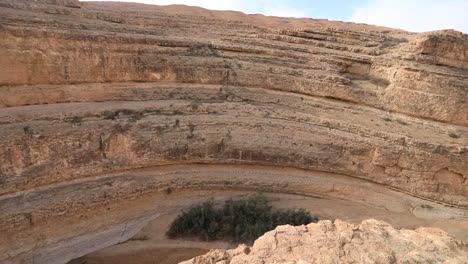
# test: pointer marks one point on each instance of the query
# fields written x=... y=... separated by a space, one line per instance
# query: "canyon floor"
x=162 y=250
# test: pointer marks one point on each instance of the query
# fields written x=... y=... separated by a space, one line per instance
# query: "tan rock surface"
x=372 y=241
x=106 y=106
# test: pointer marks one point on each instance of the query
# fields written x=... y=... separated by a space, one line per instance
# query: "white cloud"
x=279 y=8
x=415 y=15
x=266 y=7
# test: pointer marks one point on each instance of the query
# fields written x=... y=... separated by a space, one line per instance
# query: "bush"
x=140 y=238
x=239 y=221
x=202 y=50
x=377 y=80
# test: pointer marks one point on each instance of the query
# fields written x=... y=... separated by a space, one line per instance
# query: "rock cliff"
x=371 y=241
x=106 y=105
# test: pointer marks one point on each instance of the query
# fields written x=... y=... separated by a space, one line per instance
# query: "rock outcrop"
x=106 y=106
x=371 y=241
x=67 y=3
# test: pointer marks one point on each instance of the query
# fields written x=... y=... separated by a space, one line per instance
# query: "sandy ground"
x=158 y=249
x=145 y=256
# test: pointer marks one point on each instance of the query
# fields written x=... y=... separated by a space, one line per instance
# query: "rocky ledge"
x=372 y=241
x=104 y=107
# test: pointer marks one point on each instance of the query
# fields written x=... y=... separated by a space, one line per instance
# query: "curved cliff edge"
x=372 y=241
x=113 y=114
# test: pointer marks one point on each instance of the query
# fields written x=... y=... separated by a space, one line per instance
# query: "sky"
x=411 y=15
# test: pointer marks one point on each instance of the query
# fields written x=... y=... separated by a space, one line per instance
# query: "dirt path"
x=156 y=255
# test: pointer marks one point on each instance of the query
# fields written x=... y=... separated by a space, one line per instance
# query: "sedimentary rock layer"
x=53 y=143
x=91 y=93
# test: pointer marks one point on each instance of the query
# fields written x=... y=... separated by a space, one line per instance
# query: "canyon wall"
x=93 y=93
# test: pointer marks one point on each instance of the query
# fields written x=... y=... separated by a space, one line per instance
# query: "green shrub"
x=140 y=238
x=434 y=36
x=453 y=135
x=198 y=221
x=401 y=122
x=237 y=220
x=76 y=120
x=427 y=206
x=202 y=50
x=379 y=81
x=178 y=112
x=391 y=42
x=438 y=149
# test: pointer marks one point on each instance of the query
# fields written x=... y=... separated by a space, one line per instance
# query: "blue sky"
x=330 y=9
x=412 y=15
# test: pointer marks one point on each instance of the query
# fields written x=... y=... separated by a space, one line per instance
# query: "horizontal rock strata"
x=93 y=93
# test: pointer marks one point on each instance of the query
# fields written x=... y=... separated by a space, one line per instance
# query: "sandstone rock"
x=372 y=241
x=448 y=47
x=67 y=3
x=92 y=96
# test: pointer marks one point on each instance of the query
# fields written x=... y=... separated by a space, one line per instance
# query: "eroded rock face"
x=448 y=48
x=212 y=71
x=67 y=3
x=92 y=95
x=372 y=241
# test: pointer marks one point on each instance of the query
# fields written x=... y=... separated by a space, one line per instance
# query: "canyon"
x=113 y=115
